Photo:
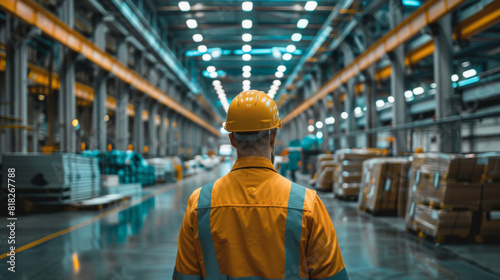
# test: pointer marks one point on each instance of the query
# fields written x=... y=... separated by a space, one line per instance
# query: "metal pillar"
x=139 y=126
x=350 y=97
x=400 y=113
x=442 y=72
x=98 y=134
x=163 y=131
x=122 y=101
x=67 y=98
x=152 y=129
x=371 y=118
x=336 y=117
x=323 y=116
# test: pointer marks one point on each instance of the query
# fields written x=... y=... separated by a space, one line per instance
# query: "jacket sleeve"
x=186 y=264
x=324 y=260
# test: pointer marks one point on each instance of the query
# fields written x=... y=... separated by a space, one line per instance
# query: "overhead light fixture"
x=211 y=68
x=469 y=73
x=245 y=87
x=213 y=75
x=247 y=23
x=302 y=23
x=454 y=77
x=287 y=56
x=310 y=128
x=282 y=68
x=247 y=6
x=319 y=135
x=380 y=103
x=310 y=6
x=247 y=37
x=277 y=82
x=246 y=48
x=278 y=75
x=433 y=85
x=184 y=6
x=344 y=115
x=408 y=94
x=197 y=37
x=206 y=57
x=246 y=57
x=247 y=75
x=358 y=111
x=291 y=48
x=191 y=23
x=296 y=37
x=319 y=124
x=246 y=82
x=418 y=90
x=216 y=53
x=390 y=99
x=274 y=87
x=216 y=82
x=202 y=48
x=246 y=68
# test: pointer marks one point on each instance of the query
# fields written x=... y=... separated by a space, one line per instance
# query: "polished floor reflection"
x=140 y=242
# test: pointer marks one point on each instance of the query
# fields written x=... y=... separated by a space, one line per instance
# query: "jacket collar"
x=255 y=162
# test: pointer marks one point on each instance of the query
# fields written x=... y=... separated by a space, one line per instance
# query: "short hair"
x=251 y=142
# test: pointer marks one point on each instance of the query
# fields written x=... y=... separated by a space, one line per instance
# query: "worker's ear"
x=273 y=137
x=233 y=141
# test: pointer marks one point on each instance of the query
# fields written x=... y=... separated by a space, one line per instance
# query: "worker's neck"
x=264 y=155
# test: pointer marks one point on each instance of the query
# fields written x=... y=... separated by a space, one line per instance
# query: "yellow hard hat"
x=252 y=111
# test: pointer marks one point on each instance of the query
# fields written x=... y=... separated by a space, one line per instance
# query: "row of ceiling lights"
x=221 y=94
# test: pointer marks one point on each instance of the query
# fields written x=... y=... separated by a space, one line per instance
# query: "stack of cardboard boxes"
x=384 y=186
x=327 y=172
x=350 y=169
x=450 y=194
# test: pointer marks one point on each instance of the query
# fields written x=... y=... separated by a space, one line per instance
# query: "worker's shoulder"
x=309 y=194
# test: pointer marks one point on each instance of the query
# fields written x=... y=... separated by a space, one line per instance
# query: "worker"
x=254 y=222
x=294 y=158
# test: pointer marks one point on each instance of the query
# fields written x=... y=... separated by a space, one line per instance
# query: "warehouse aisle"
x=140 y=242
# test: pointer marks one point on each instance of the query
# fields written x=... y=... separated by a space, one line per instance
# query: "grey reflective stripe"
x=341 y=275
x=179 y=276
x=205 y=232
x=293 y=231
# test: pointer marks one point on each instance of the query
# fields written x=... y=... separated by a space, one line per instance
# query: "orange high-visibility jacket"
x=255 y=223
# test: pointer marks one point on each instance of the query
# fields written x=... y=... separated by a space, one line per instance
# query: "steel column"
x=336 y=117
x=371 y=117
x=139 y=125
x=122 y=101
x=152 y=129
x=163 y=131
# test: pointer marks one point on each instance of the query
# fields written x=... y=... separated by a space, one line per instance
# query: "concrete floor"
x=140 y=242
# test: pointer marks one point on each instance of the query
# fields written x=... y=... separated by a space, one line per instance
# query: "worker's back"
x=254 y=222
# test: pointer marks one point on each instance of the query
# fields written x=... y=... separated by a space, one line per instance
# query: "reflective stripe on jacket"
x=255 y=224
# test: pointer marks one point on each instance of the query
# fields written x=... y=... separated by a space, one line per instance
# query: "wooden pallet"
x=98 y=203
x=450 y=207
x=441 y=239
x=377 y=212
x=347 y=198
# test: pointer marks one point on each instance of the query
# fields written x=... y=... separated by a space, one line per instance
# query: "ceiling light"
x=246 y=57
x=433 y=85
x=454 y=77
x=216 y=53
x=247 y=6
x=287 y=56
x=390 y=99
x=418 y=90
x=246 y=48
x=216 y=82
x=296 y=37
x=246 y=68
x=310 y=6
x=291 y=48
x=408 y=94
x=469 y=73
x=275 y=87
x=211 y=68
x=277 y=82
x=218 y=87
x=319 y=135
x=278 y=75
x=246 y=82
x=319 y=124
x=202 y=48
x=206 y=57
x=246 y=88
x=282 y=68
x=184 y=6
x=247 y=75
x=344 y=115
x=246 y=23
x=302 y=23
x=379 y=103
x=310 y=128
x=197 y=37
x=191 y=23
x=358 y=111
x=213 y=75
x=247 y=37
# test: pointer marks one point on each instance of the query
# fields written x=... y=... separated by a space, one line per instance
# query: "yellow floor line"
x=96 y=218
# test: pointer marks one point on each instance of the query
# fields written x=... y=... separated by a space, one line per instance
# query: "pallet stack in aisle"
x=450 y=194
x=350 y=169
x=384 y=186
x=54 y=179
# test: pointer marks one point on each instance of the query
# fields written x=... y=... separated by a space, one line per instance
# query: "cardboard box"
x=346 y=189
x=325 y=179
x=491 y=163
x=435 y=222
x=491 y=195
x=490 y=223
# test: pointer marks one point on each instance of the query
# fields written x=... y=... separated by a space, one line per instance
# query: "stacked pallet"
x=54 y=179
x=384 y=186
x=450 y=194
x=326 y=172
x=350 y=170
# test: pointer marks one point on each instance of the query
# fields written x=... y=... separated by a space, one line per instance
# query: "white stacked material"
x=110 y=180
x=134 y=189
x=57 y=178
